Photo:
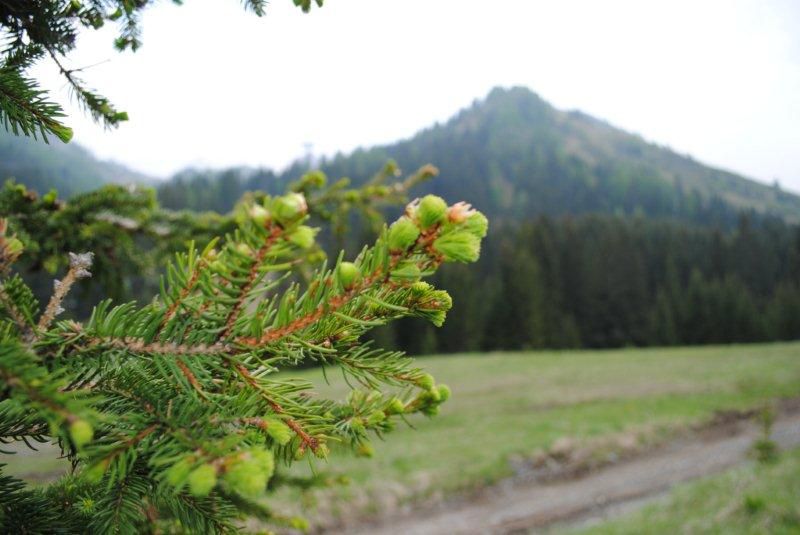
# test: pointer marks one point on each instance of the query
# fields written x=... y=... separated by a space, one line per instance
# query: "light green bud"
x=375 y=418
x=348 y=274
x=244 y=249
x=50 y=197
x=357 y=425
x=444 y=392
x=259 y=215
x=402 y=234
x=395 y=406
x=477 y=225
x=406 y=272
x=440 y=300
x=430 y=410
x=81 y=433
x=431 y=210
x=246 y=478
x=264 y=460
x=459 y=246
x=178 y=472
x=426 y=381
x=279 y=431
x=289 y=208
x=202 y=479
x=420 y=288
x=303 y=236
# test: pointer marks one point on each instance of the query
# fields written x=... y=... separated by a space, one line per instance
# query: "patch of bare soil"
x=571 y=485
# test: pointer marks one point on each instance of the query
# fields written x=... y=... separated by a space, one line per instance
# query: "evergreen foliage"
x=32 y=30
x=124 y=226
x=133 y=237
x=175 y=413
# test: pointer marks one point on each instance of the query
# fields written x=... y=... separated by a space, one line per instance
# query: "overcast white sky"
x=216 y=86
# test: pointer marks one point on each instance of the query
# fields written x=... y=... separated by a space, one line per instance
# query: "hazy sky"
x=214 y=85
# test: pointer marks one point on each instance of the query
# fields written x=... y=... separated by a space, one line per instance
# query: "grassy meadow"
x=507 y=408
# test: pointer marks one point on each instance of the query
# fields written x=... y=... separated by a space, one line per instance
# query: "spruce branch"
x=25 y=108
x=79 y=265
x=183 y=395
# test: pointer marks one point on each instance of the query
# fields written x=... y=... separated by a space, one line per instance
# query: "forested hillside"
x=614 y=281
x=68 y=168
x=521 y=157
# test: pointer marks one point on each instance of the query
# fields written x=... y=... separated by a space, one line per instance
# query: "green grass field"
x=513 y=405
x=750 y=500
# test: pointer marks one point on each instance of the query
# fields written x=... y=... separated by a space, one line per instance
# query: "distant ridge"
x=520 y=156
x=68 y=168
x=516 y=156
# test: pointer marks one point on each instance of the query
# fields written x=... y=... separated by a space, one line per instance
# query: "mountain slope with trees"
x=69 y=168
x=522 y=157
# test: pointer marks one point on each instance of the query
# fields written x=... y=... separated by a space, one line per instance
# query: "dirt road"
x=619 y=487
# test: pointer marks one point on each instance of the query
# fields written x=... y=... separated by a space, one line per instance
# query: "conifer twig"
x=79 y=265
x=305 y=438
x=251 y=279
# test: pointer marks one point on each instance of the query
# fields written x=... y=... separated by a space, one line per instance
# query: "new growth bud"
x=81 y=433
x=402 y=234
x=259 y=215
x=426 y=381
x=289 y=208
x=249 y=475
x=303 y=236
x=177 y=473
x=375 y=418
x=348 y=274
x=278 y=431
x=431 y=210
x=395 y=406
x=477 y=225
x=406 y=272
x=459 y=246
x=202 y=479
x=244 y=249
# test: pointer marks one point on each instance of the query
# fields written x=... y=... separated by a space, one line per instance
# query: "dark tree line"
x=608 y=281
